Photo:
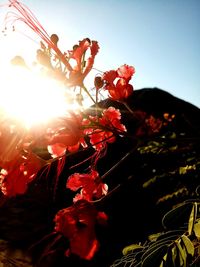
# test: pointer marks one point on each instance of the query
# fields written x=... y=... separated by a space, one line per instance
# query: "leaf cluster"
x=177 y=246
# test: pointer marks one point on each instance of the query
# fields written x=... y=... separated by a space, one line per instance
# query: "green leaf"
x=174 y=254
x=177 y=216
x=163 y=263
x=192 y=219
x=185 y=169
x=197 y=229
x=154 y=237
x=188 y=245
x=171 y=256
x=155 y=245
x=155 y=257
x=173 y=234
x=131 y=248
x=175 y=194
x=182 y=255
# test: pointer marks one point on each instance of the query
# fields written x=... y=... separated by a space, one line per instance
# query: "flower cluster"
x=76 y=130
x=117 y=82
x=91 y=186
x=77 y=223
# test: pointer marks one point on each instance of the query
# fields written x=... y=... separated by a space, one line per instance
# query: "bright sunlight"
x=32 y=98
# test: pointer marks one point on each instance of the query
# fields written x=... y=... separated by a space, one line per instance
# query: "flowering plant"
x=27 y=151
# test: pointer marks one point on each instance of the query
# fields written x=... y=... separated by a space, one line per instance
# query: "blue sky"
x=160 y=38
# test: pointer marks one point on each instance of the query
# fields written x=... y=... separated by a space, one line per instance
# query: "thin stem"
x=114 y=190
x=96 y=105
x=119 y=162
x=98 y=70
x=85 y=89
x=127 y=107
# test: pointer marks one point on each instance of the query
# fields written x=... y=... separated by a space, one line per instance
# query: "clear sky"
x=160 y=38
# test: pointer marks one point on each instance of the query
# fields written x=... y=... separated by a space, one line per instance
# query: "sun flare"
x=32 y=98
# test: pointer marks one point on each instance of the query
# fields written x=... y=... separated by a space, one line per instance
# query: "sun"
x=32 y=98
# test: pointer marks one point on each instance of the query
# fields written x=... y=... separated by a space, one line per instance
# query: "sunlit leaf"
x=192 y=218
x=197 y=229
x=155 y=245
x=131 y=248
x=155 y=257
x=171 y=256
x=188 y=245
x=154 y=237
x=185 y=169
x=173 y=235
x=177 y=216
x=174 y=255
x=182 y=255
x=175 y=194
x=154 y=250
x=163 y=262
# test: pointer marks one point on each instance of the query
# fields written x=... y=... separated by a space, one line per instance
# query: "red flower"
x=99 y=138
x=122 y=90
x=103 y=130
x=149 y=124
x=82 y=68
x=77 y=223
x=57 y=150
x=13 y=181
x=90 y=184
x=17 y=173
x=125 y=72
x=75 y=74
x=111 y=118
x=68 y=135
x=19 y=165
x=78 y=52
x=110 y=76
x=117 y=82
x=154 y=124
